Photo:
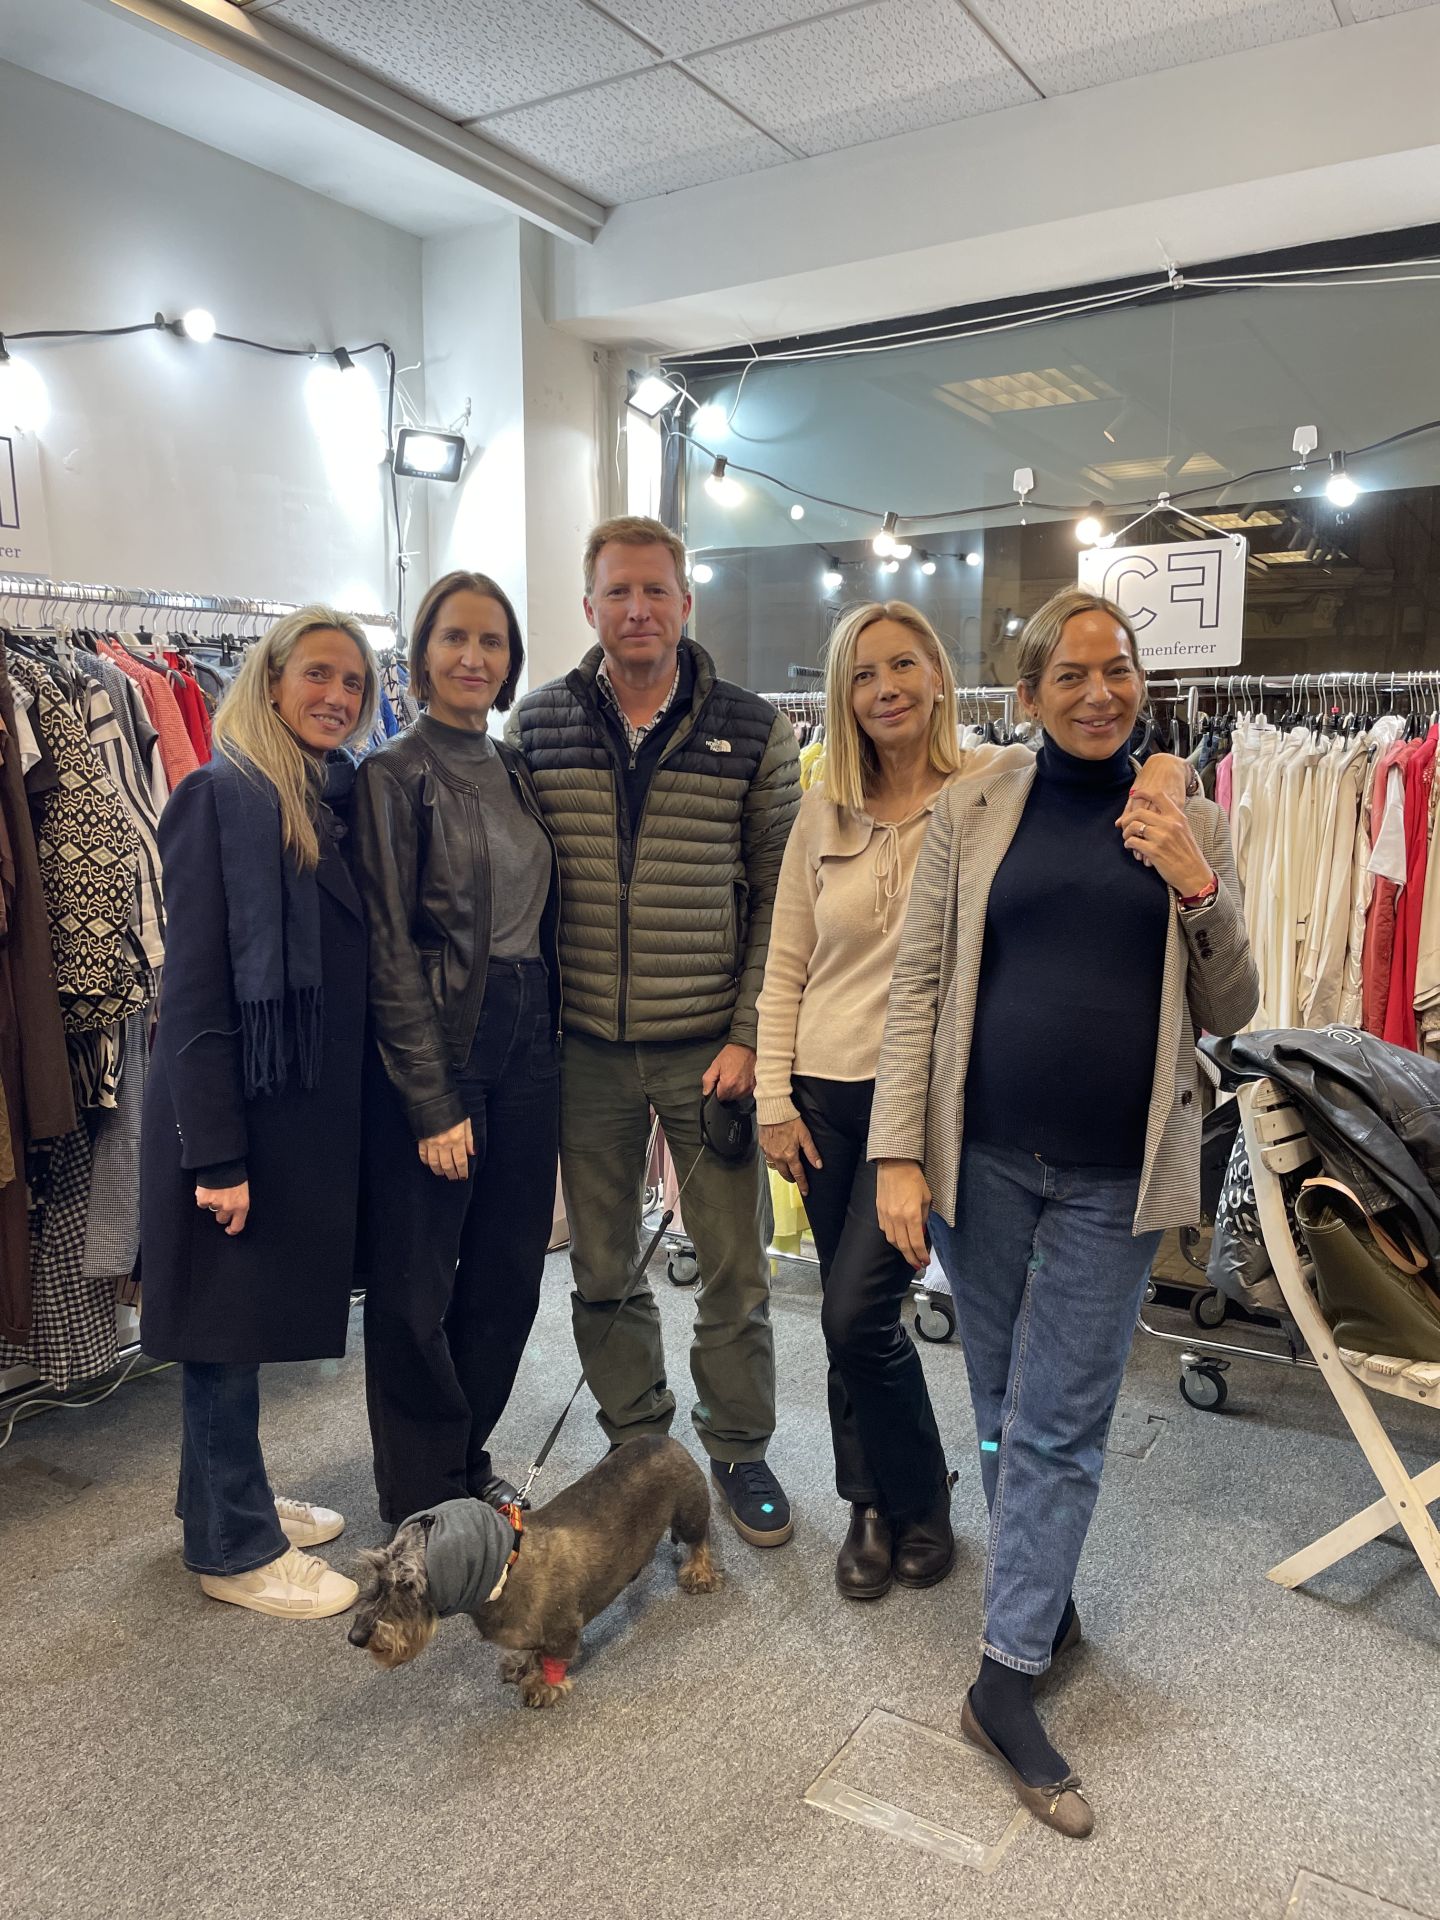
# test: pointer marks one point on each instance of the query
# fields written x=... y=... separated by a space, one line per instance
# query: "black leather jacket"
x=1372 y=1110
x=422 y=862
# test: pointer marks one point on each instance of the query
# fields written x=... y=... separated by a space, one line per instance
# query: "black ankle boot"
x=862 y=1568
x=925 y=1546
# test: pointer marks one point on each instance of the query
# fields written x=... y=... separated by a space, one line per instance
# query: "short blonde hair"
x=250 y=733
x=1045 y=626
x=634 y=530
x=850 y=759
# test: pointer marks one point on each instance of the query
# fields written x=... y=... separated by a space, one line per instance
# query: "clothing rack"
x=73 y=593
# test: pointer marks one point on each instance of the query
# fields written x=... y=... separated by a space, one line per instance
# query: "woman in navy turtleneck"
x=1065 y=942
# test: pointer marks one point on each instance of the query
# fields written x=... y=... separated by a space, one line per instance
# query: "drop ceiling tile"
x=866 y=74
x=679 y=27
x=652 y=133
x=468 y=57
x=1382 y=9
x=1065 y=45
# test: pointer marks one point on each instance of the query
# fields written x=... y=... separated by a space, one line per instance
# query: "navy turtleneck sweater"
x=1063 y=1052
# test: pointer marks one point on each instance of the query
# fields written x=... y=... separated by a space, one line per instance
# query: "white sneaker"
x=294 y=1587
x=307 y=1526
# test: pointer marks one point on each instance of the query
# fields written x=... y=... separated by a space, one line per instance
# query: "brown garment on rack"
x=34 y=1070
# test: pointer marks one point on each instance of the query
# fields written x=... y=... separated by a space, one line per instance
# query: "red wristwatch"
x=1189 y=901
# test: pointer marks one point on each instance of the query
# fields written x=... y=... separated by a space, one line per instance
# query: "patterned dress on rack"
x=89 y=865
x=73 y=1328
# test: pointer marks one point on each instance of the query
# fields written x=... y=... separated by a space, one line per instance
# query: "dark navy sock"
x=1001 y=1702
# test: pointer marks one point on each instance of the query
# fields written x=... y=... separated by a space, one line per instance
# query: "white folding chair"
x=1278 y=1144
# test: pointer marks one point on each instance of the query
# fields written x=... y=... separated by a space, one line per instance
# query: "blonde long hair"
x=249 y=732
x=850 y=761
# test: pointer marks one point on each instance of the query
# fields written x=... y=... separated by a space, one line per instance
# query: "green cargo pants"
x=607 y=1091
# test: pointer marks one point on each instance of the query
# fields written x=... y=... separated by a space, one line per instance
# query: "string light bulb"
x=198 y=324
x=892 y=565
x=797 y=512
x=1090 y=528
x=884 y=541
x=343 y=361
x=1340 y=489
x=832 y=579
x=722 y=489
x=702 y=573
x=927 y=567
x=972 y=559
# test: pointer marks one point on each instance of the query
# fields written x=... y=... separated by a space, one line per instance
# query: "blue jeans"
x=224 y=1499
x=1048 y=1279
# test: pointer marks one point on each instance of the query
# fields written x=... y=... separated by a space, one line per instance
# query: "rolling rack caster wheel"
x=934 y=1316
x=682 y=1269
x=1208 y=1309
x=1203 y=1384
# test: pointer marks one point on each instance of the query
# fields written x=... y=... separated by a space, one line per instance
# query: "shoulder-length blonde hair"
x=850 y=761
x=249 y=731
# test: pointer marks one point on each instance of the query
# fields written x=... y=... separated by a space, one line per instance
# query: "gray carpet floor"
x=1249 y=1752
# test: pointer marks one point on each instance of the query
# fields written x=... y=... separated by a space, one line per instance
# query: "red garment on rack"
x=193 y=710
x=1377 y=954
x=1400 y=1010
x=177 y=752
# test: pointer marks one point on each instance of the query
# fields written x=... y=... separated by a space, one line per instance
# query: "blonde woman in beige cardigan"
x=891 y=748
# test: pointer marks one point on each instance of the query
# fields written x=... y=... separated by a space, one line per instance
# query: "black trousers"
x=887 y=1445
x=455 y=1265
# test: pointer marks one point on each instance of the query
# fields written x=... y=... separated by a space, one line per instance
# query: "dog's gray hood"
x=468 y=1546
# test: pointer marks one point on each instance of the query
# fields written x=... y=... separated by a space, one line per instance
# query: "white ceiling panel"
x=1065 y=45
x=653 y=133
x=679 y=27
x=465 y=58
x=866 y=74
x=1382 y=9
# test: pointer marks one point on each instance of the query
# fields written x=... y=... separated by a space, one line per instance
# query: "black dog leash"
x=729 y=1146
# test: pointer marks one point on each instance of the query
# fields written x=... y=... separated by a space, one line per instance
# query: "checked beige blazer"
x=1209 y=981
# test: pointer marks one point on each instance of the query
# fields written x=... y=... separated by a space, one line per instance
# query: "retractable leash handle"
x=554 y=1434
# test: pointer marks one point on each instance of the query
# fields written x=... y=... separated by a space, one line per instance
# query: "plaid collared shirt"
x=636 y=736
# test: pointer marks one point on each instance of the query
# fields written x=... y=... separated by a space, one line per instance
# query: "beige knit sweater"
x=844 y=888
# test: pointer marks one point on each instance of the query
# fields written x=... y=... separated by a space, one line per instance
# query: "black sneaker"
x=755 y=1501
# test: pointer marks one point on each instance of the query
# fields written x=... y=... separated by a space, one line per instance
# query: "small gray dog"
x=572 y=1558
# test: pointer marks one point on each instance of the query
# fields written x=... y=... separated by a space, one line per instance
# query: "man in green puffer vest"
x=670 y=795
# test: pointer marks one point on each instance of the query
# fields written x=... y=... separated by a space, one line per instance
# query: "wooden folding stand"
x=1278 y=1144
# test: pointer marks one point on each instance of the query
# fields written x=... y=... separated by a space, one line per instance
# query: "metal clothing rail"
x=74 y=593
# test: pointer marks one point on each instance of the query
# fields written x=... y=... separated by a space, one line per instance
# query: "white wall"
x=472 y=358
x=165 y=464
x=538 y=399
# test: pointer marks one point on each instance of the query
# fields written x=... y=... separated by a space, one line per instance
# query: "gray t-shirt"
x=519 y=850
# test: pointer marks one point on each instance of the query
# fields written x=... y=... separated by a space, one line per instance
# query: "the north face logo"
x=718 y=746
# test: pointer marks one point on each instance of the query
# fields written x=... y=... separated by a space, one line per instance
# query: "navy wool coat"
x=280 y=1290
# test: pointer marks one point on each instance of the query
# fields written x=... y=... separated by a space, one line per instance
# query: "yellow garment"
x=812 y=763
x=791 y=1226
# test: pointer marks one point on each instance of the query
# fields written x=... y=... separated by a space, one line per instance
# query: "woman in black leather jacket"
x=461 y=892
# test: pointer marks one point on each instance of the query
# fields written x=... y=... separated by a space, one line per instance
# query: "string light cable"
x=344 y=358
x=729 y=465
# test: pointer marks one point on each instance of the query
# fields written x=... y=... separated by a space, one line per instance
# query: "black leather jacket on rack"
x=1372 y=1110
x=422 y=862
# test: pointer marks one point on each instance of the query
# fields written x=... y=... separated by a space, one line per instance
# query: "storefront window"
x=1184 y=395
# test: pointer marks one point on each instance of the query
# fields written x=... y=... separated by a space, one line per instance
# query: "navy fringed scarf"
x=273 y=912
